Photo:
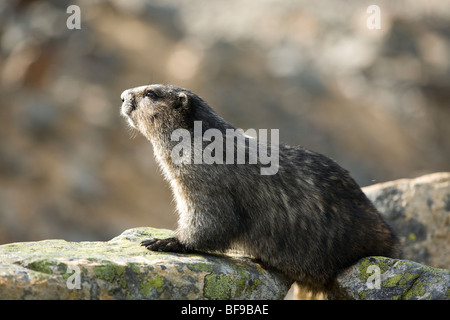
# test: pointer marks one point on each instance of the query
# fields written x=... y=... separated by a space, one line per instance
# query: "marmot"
x=310 y=220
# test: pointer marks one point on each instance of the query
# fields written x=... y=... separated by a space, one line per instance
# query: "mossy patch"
x=43 y=266
x=201 y=267
x=246 y=284
x=217 y=287
x=49 y=267
x=364 y=264
x=417 y=290
x=155 y=282
x=111 y=272
x=154 y=233
x=412 y=237
x=392 y=281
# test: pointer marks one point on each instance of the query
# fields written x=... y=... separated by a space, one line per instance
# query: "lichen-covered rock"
x=419 y=212
x=380 y=278
x=122 y=269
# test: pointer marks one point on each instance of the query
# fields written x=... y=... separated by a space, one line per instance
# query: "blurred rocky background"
x=377 y=101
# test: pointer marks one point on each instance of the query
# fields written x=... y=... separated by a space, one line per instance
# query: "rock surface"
x=122 y=269
x=419 y=211
x=380 y=278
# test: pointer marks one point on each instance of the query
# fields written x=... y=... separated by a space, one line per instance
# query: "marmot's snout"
x=128 y=106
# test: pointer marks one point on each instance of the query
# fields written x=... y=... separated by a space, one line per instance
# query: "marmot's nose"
x=124 y=95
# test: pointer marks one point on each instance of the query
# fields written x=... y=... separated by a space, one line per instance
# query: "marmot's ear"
x=183 y=100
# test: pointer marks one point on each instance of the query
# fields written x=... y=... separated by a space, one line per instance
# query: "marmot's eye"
x=151 y=95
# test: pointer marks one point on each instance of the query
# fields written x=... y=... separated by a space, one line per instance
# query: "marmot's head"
x=157 y=110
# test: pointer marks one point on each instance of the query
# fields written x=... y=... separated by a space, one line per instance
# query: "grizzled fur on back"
x=309 y=221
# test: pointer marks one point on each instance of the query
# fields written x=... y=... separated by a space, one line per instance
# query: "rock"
x=419 y=211
x=122 y=269
x=380 y=278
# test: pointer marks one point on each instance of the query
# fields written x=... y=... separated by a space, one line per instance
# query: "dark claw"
x=164 y=245
x=148 y=242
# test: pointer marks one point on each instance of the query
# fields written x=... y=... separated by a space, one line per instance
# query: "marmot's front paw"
x=165 y=245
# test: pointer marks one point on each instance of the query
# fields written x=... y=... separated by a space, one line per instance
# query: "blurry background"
x=376 y=101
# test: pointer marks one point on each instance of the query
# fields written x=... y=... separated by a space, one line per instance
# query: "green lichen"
x=242 y=282
x=202 y=267
x=155 y=233
x=217 y=287
x=135 y=267
x=155 y=282
x=362 y=294
x=392 y=281
x=111 y=272
x=365 y=263
x=412 y=281
x=417 y=290
x=253 y=284
x=41 y=266
x=245 y=284
x=412 y=237
x=49 y=267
